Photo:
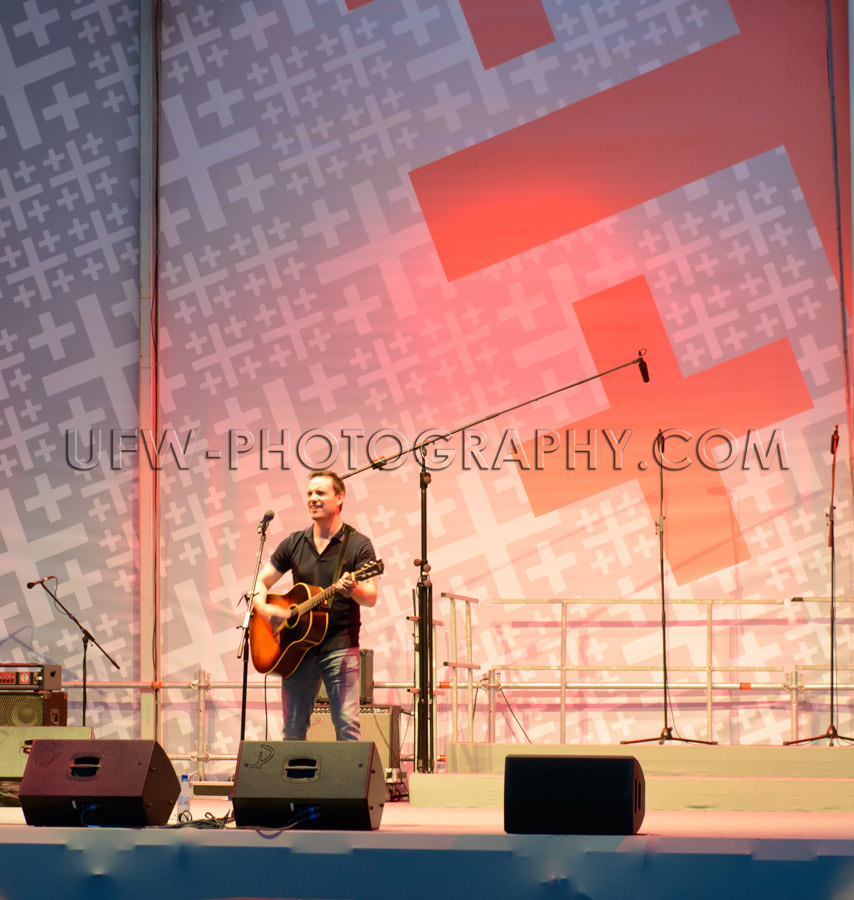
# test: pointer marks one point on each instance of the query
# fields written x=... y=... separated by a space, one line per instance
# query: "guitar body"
x=282 y=652
x=281 y=649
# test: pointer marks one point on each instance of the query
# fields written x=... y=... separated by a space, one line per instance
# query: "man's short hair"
x=337 y=483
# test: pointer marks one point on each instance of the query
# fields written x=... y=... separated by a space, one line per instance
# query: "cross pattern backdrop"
x=381 y=221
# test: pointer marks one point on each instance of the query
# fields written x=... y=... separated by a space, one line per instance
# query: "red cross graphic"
x=505 y=30
x=501 y=30
x=681 y=122
x=754 y=391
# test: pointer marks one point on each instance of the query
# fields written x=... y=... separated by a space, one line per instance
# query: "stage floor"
x=433 y=852
x=401 y=818
x=724 y=822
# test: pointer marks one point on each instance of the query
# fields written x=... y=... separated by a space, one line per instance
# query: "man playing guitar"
x=327 y=554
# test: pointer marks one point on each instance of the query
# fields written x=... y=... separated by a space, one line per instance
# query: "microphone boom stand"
x=425 y=761
x=831 y=734
x=87 y=639
x=667 y=731
x=243 y=649
x=423 y=593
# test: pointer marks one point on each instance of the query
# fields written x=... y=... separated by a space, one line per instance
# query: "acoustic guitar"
x=305 y=613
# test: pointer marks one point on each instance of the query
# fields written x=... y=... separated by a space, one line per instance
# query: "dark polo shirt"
x=298 y=555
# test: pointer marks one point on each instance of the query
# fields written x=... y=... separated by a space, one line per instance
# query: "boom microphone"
x=32 y=584
x=644 y=369
x=834 y=440
x=268 y=517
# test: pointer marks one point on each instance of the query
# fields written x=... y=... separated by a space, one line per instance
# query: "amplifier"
x=366 y=680
x=27 y=677
x=380 y=724
x=16 y=743
x=15 y=747
x=22 y=708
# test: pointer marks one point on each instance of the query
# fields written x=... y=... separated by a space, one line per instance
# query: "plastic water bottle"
x=182 y=810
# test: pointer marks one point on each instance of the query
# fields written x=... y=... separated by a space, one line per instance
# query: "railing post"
x=794 y=686
x=454 y=678
x=709 y=670
x=493 y=683
x=563 y=627
x=202 y=685
x=470 y=676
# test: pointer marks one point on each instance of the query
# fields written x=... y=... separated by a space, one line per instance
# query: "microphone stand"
x=666 y=732
x=425 y=759
x=423 y=594
x=243 y=649
x=831 y=734
x=87 y=639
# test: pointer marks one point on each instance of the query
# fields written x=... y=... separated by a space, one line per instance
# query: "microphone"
x=644 y=369
x=268 y=517
x=32 y=584
x=834 y=440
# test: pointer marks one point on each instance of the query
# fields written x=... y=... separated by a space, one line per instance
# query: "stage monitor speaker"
x=380 y=724
x=573 y=795
x=19 y=708
x=110 y=782
x=301 y=784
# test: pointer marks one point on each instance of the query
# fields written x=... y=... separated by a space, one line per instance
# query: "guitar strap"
x=348 y=530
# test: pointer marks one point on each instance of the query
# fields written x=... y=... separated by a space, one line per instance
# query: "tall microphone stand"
x=831 y=734
x=425 y=759
x=423 y=594
x=243 y=649
x=87 y=636
x=667 y=731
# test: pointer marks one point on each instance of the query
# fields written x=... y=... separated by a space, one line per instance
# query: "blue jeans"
x=339 y=671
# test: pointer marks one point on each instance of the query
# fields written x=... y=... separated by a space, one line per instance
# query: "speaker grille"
x=21 y=709
x=27 y=708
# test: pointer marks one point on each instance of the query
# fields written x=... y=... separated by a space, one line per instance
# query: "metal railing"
x=792 y=684
x=467 y=665
x=204 y=689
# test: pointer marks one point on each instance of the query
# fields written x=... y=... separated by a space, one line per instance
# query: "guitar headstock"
x=368 y=570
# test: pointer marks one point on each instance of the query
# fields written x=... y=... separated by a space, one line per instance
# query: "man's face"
x=322 y=500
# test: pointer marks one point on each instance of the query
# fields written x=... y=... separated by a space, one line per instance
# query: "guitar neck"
x=367 y=571
x=316 y=600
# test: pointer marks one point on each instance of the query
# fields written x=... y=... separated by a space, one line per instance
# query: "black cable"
x=90 y=809
x=209 y=821
x=411 y=714
x=386 y=742
x=512 y=713
x=831 y=79
x=309 y=814
x=154 y=336
x=398 y=792
x=838 y=208
x=266 y=720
